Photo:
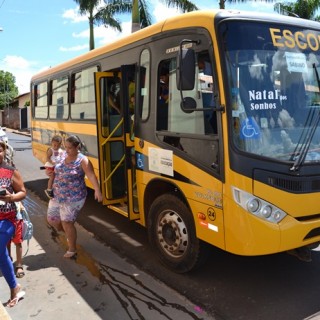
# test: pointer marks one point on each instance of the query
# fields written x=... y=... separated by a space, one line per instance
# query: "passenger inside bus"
x=293 y=89
x=132 y=88
x=114 y=97
x=163 y=103
x=187 y=131
x=111 y=107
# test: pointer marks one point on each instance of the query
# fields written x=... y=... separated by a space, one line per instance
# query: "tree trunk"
x=91 y=39
x=135 y=16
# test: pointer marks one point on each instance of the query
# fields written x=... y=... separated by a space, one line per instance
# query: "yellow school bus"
x=204 y=128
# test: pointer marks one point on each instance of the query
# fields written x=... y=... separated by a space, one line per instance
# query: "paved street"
x=98 y=285
x=228 y=287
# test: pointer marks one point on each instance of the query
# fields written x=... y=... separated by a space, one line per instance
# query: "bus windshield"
x=274 y=99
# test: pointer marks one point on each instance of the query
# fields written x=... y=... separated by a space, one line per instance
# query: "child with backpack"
x=23 y=231
x=17 y=240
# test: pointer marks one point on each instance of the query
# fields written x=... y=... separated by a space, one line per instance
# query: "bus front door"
x=113 y=142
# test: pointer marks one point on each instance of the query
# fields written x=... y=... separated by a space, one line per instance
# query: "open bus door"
x=115 y=144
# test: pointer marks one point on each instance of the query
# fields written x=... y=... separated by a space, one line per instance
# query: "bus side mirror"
x=188 y=105
x=186 y=68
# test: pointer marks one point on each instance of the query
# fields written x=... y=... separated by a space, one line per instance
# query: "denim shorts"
x=66 y=211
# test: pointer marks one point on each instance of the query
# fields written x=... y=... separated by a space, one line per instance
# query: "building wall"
x=11 y=117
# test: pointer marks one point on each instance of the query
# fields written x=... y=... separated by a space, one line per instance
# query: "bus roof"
x=191 y=19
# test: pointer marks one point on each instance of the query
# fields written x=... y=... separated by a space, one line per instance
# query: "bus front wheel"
x=171 y=232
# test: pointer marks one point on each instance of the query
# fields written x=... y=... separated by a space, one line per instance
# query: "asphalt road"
x=228 y=287
x=99 y=284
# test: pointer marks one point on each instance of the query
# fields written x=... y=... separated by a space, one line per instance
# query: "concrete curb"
x=3 y=313
x=16 y=131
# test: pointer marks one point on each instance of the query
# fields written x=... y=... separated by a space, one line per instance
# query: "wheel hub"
x=172 y=234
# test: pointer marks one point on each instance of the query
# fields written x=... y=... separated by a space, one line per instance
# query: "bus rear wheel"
x=171 y=232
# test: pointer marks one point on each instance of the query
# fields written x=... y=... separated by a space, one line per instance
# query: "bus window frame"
x=35 y=105
x=51 y=106
x=72 y=102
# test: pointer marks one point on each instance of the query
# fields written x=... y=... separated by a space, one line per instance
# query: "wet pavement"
x=98 y=285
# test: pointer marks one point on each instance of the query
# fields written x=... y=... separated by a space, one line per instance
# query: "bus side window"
x=143 y=96
x=165 y=114
x=82 y=94
x=206 y=86
x=114 y=96
x=40 y=92
x=163 y=96
x=73 y=88
x=111 y=109
x=131 y=92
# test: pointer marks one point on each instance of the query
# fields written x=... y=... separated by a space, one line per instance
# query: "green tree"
x=305 y=9
x=104 y=15
x=141 y=17
x=8 y=88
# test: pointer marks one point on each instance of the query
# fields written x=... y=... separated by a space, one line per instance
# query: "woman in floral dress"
x=70 y=192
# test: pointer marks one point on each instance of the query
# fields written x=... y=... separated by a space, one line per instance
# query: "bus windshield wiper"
x=313 y=116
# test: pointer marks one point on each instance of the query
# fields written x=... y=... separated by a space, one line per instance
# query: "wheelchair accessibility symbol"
x=140 y=161
x=249 y=129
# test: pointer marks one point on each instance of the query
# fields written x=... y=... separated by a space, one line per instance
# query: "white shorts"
x=66 y=211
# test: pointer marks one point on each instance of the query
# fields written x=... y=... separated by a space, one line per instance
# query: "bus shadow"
x=98 y=276
x=38 y=187
x=228 y=286
x=274 y=287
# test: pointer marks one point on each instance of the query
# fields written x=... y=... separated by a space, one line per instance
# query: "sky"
x=38 y=34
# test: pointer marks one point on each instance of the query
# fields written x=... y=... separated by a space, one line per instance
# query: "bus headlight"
x=266 y=211
x=277 y=215
x=258 y=207
x=253 y=205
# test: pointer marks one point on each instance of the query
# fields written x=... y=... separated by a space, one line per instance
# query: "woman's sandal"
x=70 y=255
x=13 y=302
x=19 y=272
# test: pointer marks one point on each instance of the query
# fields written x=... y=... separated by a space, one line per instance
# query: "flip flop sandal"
x=13 y=302
x=19 y=272
x=70 y=255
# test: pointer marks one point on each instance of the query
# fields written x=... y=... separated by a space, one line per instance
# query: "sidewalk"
x=98 y=285
x=4 y=315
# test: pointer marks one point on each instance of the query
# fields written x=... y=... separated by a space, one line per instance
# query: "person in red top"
x=17 y=238
x=13 y=190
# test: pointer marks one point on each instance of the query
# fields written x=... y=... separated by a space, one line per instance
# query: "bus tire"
x=172 y=234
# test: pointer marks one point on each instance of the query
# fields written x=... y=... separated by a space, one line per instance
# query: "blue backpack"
x=27 y=226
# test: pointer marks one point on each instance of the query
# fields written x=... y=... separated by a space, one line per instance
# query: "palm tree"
x=104 y=15
x=305 y=9
x=140 y=14
x=141 y=17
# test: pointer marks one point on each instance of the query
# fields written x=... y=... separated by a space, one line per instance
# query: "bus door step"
x=120 y=208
